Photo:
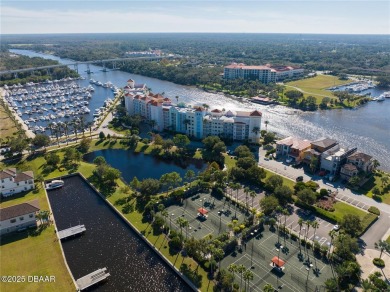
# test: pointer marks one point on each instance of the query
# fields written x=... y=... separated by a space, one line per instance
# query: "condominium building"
x=292 y=148
x=333 y=158
x=194 y=121
x=264 y=73
x=18 y=217
x=13 y=182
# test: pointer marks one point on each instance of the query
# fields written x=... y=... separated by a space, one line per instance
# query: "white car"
x=336 y=228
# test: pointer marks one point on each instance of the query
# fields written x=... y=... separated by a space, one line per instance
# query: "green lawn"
x=317 y=86
x=30 y=254
x=7 y=126
x=388 y=239
x=375 y=181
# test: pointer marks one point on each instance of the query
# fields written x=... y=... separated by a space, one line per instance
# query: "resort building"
x=333 y=158
x=292 y=148
x=18 y=217
x=357 y=162
x=194 y=121
x=264 y=73
x=13 y=182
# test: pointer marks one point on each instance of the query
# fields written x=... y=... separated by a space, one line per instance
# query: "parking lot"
x=302 y=271
x=247 y=198
x=322 y=232
x=220 y=214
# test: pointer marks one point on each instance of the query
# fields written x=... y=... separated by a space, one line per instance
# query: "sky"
x=256 y=16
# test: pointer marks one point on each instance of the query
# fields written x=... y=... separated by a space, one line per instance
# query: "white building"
x=13 y=182
x=18 y=217
x=265 y=73
x=333 y=158
x=194 y=121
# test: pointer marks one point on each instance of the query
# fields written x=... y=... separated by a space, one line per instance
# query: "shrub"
x=378 y=262
x=374 y=210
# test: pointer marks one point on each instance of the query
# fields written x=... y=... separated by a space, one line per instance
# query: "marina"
x=60 y=106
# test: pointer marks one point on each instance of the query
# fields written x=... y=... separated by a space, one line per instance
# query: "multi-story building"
x=13 y=182
x=333 y=158
x=264 y=73
x=356 y=162
x=316 y=149
x=292 y=148
x=18 y=217
x=194 y=121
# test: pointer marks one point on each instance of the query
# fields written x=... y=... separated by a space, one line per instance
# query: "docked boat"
x=380 y=98
x=55 y=184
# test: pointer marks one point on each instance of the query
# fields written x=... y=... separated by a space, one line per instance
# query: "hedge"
x=374 y=210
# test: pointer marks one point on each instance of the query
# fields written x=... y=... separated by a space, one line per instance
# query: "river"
x=367 y=127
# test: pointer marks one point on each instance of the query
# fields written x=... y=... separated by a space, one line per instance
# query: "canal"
x=366 y=127
x=108 y=242
x=143 y=166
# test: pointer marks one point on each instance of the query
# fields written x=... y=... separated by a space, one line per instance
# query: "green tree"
x=41 y=140
x=268 y=204
x=307 y=196
x=269 y=138
x=352 y=224
x=268 y=288
x=181 y=140
x=283 y=194
x=382 y=246
x=150 y=186
x=102 y=136
x=52 y=159
x=84 y=145
x=273 y=181
x=99 y=160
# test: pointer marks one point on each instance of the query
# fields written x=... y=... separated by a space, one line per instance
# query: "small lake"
x=141 y=165
x=108 y=242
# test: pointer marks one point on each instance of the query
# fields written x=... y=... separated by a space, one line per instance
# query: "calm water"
x=140 y=165
x=367 y=127
x=108 y=242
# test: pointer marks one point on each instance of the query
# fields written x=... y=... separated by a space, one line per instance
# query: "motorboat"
x=55 y=184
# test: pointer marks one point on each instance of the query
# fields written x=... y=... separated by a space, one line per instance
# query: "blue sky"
x=261 y=16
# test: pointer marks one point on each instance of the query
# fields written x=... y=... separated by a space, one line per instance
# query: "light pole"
x=170 y=221
x=253 y=241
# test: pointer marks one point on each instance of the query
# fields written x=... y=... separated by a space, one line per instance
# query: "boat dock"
x=71 y=231
x=92 y=279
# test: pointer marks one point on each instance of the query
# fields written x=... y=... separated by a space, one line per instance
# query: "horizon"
x=342 y=17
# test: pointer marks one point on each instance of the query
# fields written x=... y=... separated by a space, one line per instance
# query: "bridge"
x=75 y=64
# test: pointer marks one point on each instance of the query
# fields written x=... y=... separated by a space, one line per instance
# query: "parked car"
x=299 y=178
x=336 y=228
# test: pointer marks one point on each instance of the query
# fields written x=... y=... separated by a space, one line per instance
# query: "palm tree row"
x=245 y=274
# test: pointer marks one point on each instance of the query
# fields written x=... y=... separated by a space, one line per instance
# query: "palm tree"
x=300 y=223
x=56 y=132
x=232 y=268
x=236 y=187
x=89 y=126
x=177 y=99
x=384 y=180
x=253 y=195
x=382 y=246
x=82 y=125
x=266 y=125
x=248 y=276
x=308 y=224
x=375 y=164
x=268 y=288
x=246 y=191
x=66 y=131
x=241 y=269
x=256 y=130
x=75 y=124
x=285 y=212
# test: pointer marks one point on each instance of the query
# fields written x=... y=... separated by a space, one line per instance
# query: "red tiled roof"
x=6 y=173
x=199 y=109
x=202 y=211
x=216 y=111
x=255 y=114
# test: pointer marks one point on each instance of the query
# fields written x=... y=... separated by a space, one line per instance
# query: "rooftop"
x=295 y=143
x=360 y=156
x=324 y=142
x=19 y=210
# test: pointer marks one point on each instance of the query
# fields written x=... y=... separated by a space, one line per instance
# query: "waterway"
x=142 y=166
x=367 y=127
x=108 y=242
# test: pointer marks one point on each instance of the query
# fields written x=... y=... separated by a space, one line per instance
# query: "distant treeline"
x=343 y=54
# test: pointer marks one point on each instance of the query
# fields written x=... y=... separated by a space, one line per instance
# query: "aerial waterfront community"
x=194 y=161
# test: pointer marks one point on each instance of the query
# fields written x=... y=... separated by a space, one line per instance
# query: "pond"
x=142 y=165
x=107 y=243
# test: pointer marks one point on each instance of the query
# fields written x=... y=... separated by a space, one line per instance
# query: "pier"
x=92 y=279
x=71 y=231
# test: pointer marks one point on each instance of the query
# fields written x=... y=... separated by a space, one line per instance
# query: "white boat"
x=55 y=184
x=386 y=94
x=380 y=98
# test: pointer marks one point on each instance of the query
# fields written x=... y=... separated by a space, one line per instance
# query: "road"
x=377 y=230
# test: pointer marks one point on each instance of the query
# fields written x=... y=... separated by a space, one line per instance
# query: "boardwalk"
x=92 y=279
x=71 y=231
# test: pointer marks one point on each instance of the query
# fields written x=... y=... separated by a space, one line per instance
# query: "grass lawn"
x=375 y=181
x=388 y=239
x=37 y=255
x=317 y=86
x=7 y=126
x=342 y=208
